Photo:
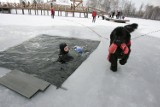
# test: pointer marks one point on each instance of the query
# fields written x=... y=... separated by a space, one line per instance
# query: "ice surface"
x=92 y=85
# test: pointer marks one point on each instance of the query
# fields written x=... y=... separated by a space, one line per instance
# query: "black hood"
x=130 y=28
x=61 y=47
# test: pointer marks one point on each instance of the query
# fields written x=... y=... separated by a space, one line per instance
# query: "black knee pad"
x=113 y=68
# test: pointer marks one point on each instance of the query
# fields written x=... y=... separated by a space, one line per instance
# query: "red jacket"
x=94 y=13
x=52 y=11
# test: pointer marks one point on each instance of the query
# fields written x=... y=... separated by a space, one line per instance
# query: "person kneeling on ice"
x=120 y=43
x=64 y=55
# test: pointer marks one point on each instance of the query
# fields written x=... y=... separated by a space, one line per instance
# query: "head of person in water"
x=64 y=49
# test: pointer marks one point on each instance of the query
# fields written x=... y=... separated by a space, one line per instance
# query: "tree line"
x=128 y=8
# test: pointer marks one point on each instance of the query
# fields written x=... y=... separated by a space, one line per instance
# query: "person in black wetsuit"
x=64 y=55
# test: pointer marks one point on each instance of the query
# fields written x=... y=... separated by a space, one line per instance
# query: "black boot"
x=113 y=68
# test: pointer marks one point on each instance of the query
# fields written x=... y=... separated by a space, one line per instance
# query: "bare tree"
x=140 y=12
x=156 y=13
x=114 y=4
x=122 y=4
x=127 y=7
x=92 y=3
x=148 y=12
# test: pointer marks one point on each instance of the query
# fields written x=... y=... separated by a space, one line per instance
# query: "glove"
x=78 y=49
x=113 y=47
x=124 y=48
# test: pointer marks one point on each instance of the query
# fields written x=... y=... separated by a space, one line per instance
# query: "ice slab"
x=23 y=83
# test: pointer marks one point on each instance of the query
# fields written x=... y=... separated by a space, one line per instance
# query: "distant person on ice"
x=64 y=55
x=28 y=4
x=35 y=3
x=52 y=12
x=23 y=3
x=94 y=14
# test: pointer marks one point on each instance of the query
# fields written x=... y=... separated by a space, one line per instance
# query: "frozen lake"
x=93 y=84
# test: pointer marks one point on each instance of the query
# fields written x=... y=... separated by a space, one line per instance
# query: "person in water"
x=64 y=53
